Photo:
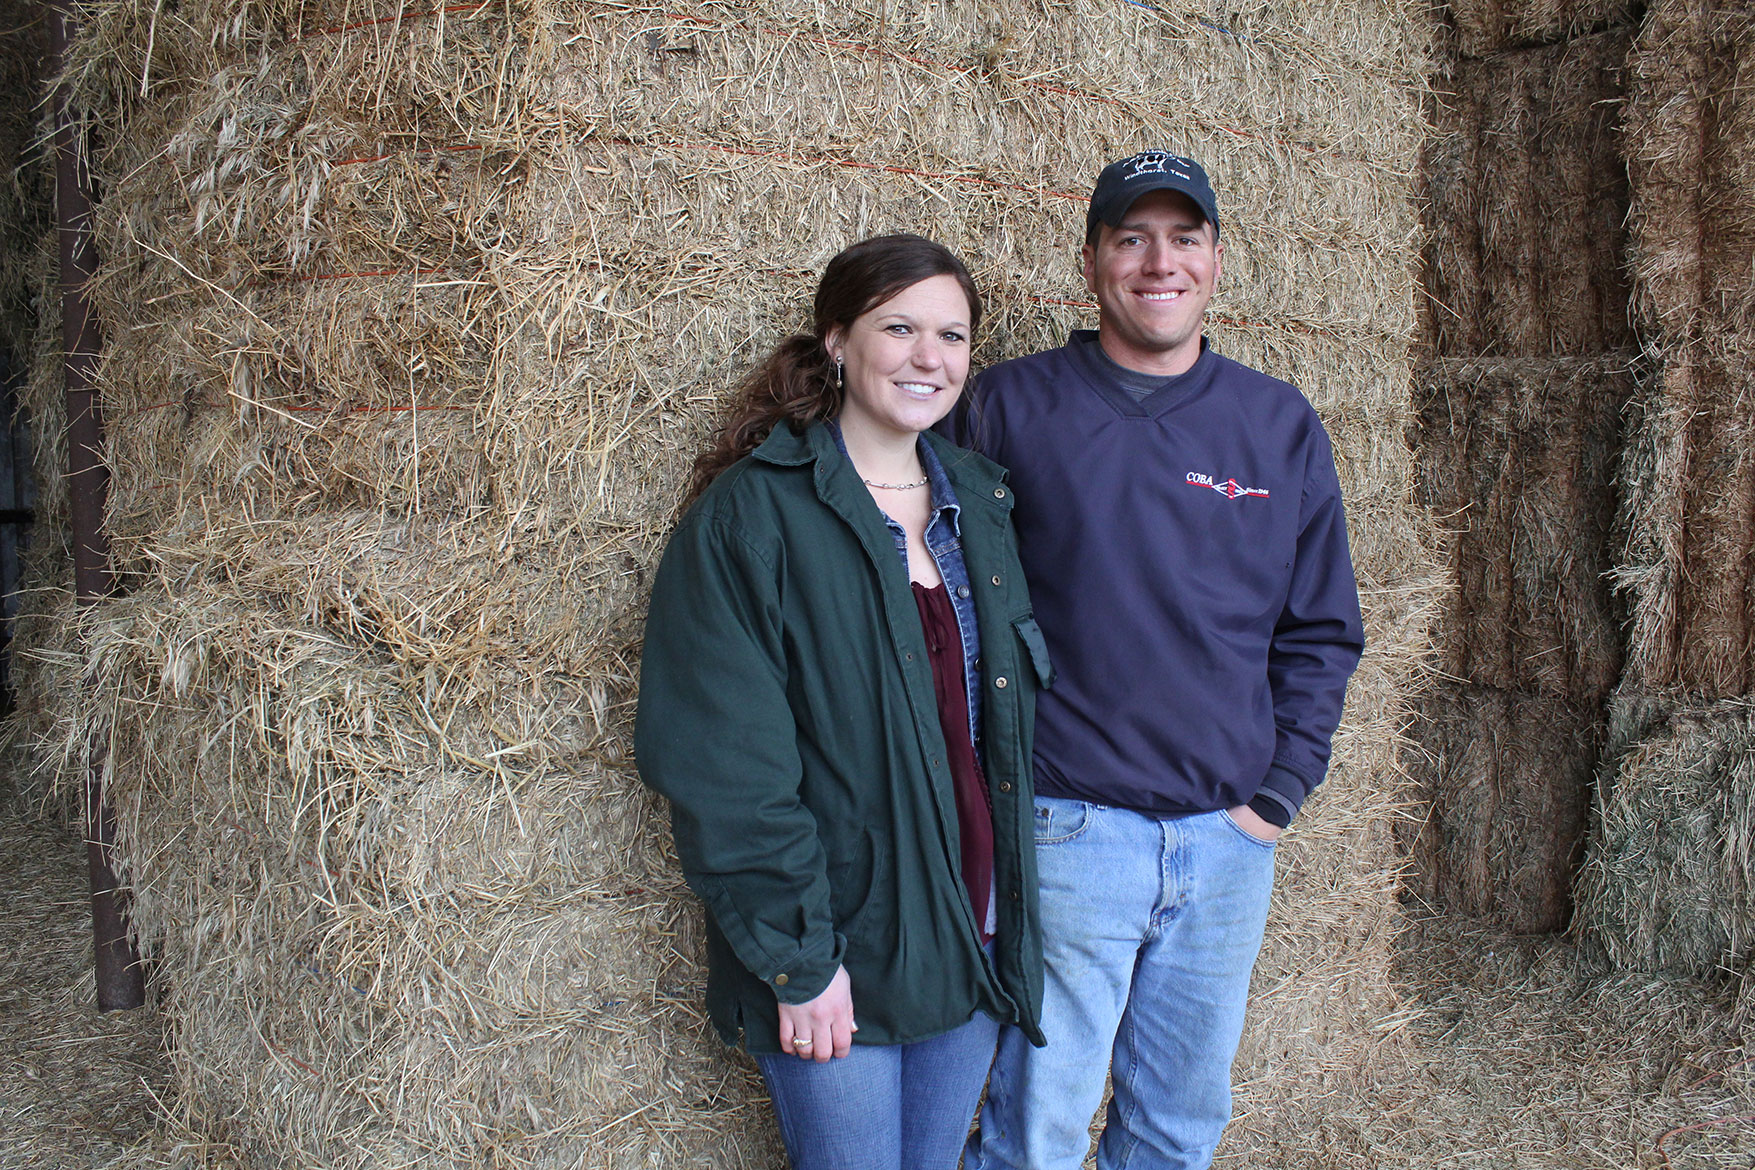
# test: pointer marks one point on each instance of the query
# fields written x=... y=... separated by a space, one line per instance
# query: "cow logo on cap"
x=1158 y=162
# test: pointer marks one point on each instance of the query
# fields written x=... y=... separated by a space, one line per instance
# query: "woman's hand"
x=822 y=1027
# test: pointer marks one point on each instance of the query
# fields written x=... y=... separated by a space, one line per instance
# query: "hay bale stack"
x=26 y=175
x=1668 y=877
x=416 y=320
x=1517 y=458
x=1527 y=193
x=30 y=352
x=1690 y=465
x=1670 y=882
x=1519 y=437
x=1508 y=819
x=1488 y=26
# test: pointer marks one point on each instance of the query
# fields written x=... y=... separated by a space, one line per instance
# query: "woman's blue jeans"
x=883 y=1106
x=1150 y=928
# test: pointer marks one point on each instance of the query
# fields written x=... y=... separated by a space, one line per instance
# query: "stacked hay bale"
x=1519 y=433
x=1670 y=873
x=27 y=313
x=1484 y=27
x=416 y=317
x=26 y=177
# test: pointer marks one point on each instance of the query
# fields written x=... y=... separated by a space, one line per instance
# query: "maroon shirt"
x=944 y=645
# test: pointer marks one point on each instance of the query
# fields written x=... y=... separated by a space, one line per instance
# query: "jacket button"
x=937 y=763
x=1013 y=895
x=999 y=493
x=781 y=980
x=962 y=591
x=1005 y=785
x=909 y=657
x=996 y=579
x=1000 y=682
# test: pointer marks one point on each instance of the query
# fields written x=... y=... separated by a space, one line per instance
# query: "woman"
x=837 y=695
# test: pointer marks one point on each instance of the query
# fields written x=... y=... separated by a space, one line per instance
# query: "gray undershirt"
x=1135 y=383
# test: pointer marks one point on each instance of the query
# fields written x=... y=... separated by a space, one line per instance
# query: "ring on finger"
x=801 y=1042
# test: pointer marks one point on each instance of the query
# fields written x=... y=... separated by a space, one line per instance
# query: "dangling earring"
x=839 y=379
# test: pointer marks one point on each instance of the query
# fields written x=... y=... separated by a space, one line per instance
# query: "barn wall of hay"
x=33 y=561
x=415 y=316
x=1532 y=362
x=1667 y=881
x=1585 y=440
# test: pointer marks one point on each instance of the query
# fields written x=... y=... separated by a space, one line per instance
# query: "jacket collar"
x=785 y=447
x=976 y=479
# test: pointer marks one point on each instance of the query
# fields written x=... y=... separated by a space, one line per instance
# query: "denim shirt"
x=944 y=543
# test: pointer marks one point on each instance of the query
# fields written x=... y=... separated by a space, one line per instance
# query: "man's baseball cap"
x=1126 y=180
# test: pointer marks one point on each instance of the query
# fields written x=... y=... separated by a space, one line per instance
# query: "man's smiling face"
x=1153 y=277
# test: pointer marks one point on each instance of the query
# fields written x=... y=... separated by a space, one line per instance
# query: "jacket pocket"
x=856 y=886
x=1037 y=646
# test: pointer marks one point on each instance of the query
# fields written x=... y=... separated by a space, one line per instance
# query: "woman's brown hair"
x=797 y=382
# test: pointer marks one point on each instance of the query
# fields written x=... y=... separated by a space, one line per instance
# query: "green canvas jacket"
x=787 y=711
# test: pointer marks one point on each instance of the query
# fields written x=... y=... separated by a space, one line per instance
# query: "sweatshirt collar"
x=1173 y=390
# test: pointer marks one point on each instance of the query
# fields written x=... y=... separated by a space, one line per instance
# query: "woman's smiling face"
x=905 y=360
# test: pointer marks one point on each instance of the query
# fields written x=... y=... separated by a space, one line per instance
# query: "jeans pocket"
x=1059 y=820
x=1246 y=834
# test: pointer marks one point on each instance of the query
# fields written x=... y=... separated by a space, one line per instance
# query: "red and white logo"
x=1229 y=488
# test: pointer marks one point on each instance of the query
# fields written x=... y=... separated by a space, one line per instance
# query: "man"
x=1181 y=528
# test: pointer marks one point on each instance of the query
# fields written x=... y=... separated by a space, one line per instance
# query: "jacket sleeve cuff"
x=1273 y=809
x=807 y=974
x=1281 y=794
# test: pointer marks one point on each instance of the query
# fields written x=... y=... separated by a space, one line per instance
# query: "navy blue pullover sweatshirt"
x=1187 y=560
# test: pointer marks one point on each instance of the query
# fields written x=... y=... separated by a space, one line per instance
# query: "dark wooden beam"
x=120 y=984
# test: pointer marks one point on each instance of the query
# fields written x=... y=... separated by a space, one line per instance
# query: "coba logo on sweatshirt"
x=1229 y=488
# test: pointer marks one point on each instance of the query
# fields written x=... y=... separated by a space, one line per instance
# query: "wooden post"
x=119 y=981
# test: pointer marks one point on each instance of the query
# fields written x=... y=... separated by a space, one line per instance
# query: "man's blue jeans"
x=1151 y=928
x=883 y=1106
